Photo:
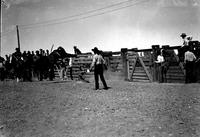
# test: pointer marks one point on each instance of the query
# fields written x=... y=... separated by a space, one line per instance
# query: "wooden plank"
x=139 y=71
x=174 y=72
x=139 y=68
x=86 y=55
x=142 y=78
x=133 y=68
x=140 y=74
x=175 y=76
x=82 y=59
x=175 y=81
x=81 y=62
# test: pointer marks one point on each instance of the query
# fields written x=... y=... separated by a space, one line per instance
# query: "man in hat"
x=189 y=60
x=97 y=63
x=185 y=42
x=76 y=50
x=17 y=63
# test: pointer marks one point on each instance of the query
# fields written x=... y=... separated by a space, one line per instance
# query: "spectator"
x=183 y=36
x=76 y=50
x=160 y=62
x=2 y=68
x=70 y=68
x=17 y=63
x=47 y=52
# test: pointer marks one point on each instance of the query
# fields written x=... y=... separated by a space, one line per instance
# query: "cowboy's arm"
x=185 y=56
x=194 y=57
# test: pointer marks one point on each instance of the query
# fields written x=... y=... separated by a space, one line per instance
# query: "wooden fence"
x=135 y=65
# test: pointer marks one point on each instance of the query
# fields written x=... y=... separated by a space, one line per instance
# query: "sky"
x=107 y=24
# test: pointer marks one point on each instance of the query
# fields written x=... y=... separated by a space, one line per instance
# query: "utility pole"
x=18 y=39
x=4 y=4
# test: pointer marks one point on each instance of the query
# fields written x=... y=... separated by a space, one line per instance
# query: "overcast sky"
x=132 y=24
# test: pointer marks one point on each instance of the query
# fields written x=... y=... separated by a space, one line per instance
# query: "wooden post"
x=124 y=63
x=18 y=39
x=155 y=49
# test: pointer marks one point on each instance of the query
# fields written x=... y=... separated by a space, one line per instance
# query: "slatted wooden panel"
x=139 y=67
x=81 y=63
x=175 y=73
x=115 y=63
x=137 y=71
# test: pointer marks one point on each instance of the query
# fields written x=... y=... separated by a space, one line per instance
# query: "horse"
x=51 y=61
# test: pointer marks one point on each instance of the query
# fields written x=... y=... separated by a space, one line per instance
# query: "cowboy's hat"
x=95 y=49
x=183 y=35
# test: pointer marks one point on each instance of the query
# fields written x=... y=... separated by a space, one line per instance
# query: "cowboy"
x=97 y=63
x=189 y=60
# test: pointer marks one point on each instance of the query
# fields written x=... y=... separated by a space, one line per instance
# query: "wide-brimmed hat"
x=95 y=49
x=183 y=35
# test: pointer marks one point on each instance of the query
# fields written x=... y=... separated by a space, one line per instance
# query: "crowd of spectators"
x=26 y=65
x=23 y=65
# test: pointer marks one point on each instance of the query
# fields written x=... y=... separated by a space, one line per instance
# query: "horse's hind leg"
x=51 y=74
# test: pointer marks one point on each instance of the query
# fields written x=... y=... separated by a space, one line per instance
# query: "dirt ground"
x=74 y=109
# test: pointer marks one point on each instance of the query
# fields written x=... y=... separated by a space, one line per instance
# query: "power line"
x=70 y=18
x=76 y=15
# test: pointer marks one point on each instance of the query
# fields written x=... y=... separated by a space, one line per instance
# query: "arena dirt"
x=74 y=109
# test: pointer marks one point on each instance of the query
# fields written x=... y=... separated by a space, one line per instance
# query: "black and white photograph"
x=100 y=68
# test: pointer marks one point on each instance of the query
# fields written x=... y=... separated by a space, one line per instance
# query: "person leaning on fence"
x=70 y=68
x=97 y=63
x=189 y=61
x=160 y=61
